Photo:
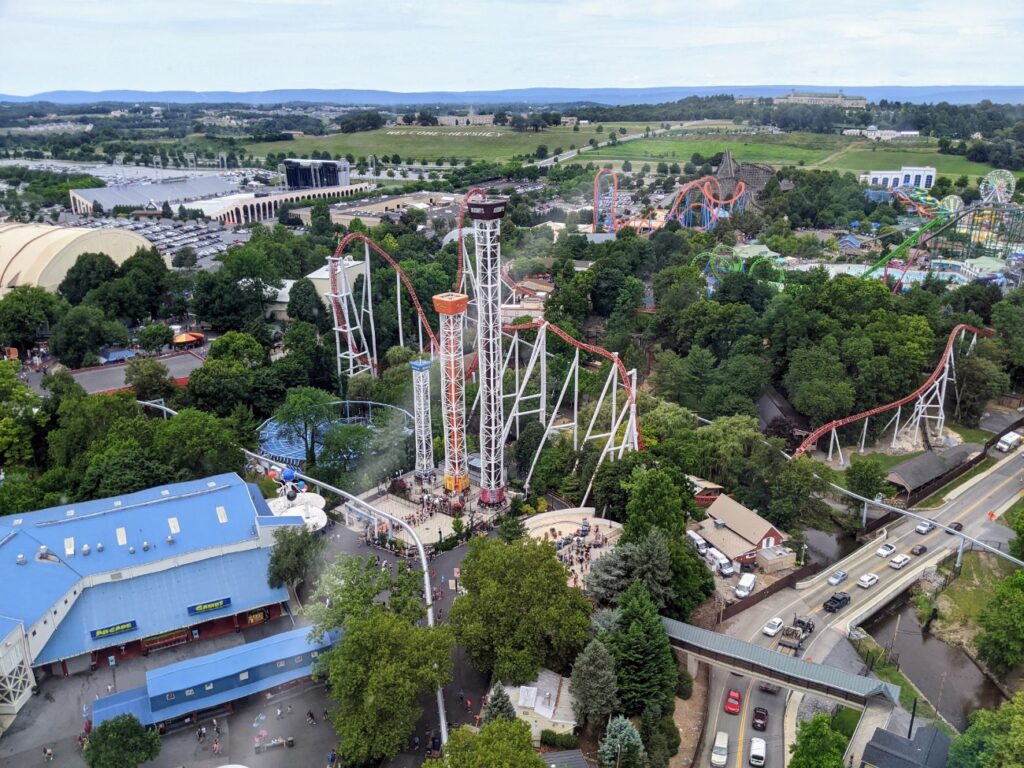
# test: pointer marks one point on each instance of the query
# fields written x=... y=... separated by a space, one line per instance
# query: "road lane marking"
x=743 y=725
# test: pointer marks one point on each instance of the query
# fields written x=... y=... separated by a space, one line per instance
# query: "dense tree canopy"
x=519 y=613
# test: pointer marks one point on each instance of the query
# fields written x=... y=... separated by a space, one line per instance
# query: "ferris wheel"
x=997 y=186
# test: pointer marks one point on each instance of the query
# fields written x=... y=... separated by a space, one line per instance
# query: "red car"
x=732 y=702
x=760 y=722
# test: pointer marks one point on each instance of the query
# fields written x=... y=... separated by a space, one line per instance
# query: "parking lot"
x=208 y=240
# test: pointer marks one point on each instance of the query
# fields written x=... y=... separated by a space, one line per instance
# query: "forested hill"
x=953 y=94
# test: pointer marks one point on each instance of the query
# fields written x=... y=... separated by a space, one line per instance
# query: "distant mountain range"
x=954 y=94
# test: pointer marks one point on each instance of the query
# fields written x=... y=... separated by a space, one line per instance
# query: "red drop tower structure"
x=451 y=309
x=486 y=215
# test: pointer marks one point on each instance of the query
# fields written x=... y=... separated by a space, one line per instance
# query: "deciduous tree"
x=817 y=744
x=993 y=738
x=155 y=337
x=1001 y=642
x=149 y=378
x=121 y=742
x=297 y=554
x=519 y=613
x=504 y=743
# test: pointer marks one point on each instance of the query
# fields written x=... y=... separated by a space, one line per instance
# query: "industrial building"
x=42 y=254
x=813 y=99
x=174 y=192
x=94 y=582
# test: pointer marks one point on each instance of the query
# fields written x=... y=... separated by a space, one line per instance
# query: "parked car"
x=760 y=721
x=885 y=550
x=899 y=561
x=925 y=527
x=773 y=627
x=955 y=527
x=868 y=580
x=733 y=699
x=918 y=549
x=838 y=578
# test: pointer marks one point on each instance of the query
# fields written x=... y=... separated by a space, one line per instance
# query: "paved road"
x=1003 y=485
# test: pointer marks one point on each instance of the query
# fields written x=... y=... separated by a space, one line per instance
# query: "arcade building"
x=90 y=583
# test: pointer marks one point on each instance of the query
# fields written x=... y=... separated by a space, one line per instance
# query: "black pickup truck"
x=837 y=601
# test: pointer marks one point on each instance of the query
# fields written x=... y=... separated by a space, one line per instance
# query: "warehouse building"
x=98 y=581
x=41 y=254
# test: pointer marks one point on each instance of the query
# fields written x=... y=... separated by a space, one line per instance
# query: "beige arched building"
x=41 y=254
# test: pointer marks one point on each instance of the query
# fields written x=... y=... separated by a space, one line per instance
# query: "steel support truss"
x=354 y=332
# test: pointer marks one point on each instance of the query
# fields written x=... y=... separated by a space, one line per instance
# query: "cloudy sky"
x=491 y=44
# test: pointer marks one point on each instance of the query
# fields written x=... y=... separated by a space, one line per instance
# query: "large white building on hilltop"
x=813 y=99
x=908 y=176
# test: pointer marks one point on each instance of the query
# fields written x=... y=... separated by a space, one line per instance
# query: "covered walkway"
x=779 y=668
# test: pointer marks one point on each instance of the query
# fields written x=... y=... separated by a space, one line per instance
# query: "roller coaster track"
x=939 y=371
x=508 y=328
x=597 y=200
x=712 y=203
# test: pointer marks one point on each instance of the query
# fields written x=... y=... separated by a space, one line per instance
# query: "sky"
x=251 y=45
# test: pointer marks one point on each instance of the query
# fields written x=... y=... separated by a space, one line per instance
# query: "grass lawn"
x=845 y=721
x=970 y=434
x=967 y=596
x=887 y=460
x=937 y=498
x=495 y=143
x=887 y=157
x=777 y=150
x=1009 y=516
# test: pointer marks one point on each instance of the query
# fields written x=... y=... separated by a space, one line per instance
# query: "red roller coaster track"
x=565 y=336
x=817 y=434
x=709 y=197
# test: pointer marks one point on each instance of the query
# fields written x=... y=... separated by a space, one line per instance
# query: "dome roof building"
x=42 y=254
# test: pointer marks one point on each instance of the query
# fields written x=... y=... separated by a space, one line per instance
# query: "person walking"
x=279 y=713
x=461 y=696
x=48 y=754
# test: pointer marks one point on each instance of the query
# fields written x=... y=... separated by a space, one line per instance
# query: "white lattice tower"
x=451 y=310
x=353 y=353
x=421 y=417
x=486 y=215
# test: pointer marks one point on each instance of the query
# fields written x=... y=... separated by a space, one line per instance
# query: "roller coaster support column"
x=353 y=356
x=486 y=215
x=421 y=418
x=367 y=309
x=451 y=309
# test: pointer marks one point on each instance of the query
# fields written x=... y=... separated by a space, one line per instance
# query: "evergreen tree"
x=644 y=664
x=593 y=685
x=621 y=746
x=499 y=706
x=650 y=562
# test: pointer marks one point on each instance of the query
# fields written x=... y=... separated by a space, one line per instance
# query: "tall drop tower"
x=421 y=418
x=451 y=309
x=486 y=215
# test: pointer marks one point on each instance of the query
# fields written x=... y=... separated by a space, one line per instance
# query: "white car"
x=885 y=550
x=838 y=578
x=899 y=561
x=773 y=627
x=868 y=580
x=925 y=527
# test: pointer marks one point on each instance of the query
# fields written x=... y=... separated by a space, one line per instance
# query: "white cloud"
x=492 y=44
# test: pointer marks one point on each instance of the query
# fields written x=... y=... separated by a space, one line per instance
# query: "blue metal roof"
x=195 y=672
x=159 y=602
x=129 y=531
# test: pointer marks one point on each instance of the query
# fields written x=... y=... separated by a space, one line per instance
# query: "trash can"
x=290 y=742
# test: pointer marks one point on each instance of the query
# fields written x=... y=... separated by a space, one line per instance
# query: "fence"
x=762 y=594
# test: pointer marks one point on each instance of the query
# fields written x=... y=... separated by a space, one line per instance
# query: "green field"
x=883 y=158
x=493 y=143
x=777 y=150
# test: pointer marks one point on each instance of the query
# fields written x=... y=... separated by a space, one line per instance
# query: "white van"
x=698 y=541
x=720 y=752
x=757 y=752
x=720 y=562
x=747 y=584
x=1008 y=442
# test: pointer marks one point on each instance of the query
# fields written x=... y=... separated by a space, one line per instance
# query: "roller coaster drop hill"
x=699 y=203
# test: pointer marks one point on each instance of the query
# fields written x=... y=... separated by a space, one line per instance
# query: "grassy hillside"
x=475 y=142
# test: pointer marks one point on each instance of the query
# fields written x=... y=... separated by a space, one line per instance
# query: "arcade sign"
x=212 y=605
